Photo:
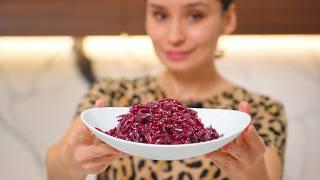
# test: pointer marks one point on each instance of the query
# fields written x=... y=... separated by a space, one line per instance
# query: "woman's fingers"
x=87 y=153
x=98 y=165
x=254 y=140
x=99 y=103
x=86 y=147
x=80 y=136
x=226 y=160
x=238 y=149
x=220 y=165
x=244 y=107
x=104 y=159
x=95 y=158
x=243 y=153
x=251 y=136
x=247 y=148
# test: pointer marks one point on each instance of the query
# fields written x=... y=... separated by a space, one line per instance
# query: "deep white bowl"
x=230 y=123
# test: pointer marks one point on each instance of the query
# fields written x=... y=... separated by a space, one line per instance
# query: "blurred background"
x=51 y=51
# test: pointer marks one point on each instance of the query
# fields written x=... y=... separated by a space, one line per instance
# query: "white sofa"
x=40 y=87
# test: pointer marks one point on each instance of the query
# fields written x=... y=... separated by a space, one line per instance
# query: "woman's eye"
x=195 y=17
x=159 y=16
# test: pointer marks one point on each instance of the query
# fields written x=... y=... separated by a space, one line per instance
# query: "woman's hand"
x=81 y=153
x=244 y=157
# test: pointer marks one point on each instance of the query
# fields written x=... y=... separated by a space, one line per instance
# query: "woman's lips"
x=177 y=55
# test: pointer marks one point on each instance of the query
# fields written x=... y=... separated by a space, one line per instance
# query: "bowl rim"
x=162 y=145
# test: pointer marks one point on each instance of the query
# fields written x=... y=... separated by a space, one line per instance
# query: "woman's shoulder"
x=123 y=82
x=126 y=91
x=256 y=99
x=115 y=92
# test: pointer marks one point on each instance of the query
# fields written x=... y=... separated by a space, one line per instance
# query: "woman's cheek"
x=156 y=32
x=202 y=36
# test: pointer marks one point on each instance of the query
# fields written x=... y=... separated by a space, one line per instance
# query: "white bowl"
x=230 y=123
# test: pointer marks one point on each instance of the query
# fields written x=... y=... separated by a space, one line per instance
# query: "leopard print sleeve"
x=103 y=89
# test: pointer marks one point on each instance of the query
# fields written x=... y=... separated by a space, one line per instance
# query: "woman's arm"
x=274 y=164
x=58 y=160
x=247 y=157
x=79 y=153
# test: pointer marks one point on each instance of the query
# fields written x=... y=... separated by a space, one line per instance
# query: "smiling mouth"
x=177 y=55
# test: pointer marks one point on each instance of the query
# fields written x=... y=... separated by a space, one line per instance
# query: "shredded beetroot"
x=165 y=121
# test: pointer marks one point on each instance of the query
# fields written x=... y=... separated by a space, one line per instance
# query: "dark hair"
x=226 y=4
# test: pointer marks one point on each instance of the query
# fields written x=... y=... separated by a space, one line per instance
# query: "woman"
x=184 y=35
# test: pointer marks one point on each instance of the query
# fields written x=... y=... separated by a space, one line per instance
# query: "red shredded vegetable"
x=165 y=121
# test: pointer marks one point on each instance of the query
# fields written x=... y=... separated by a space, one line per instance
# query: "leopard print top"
x=269 y=118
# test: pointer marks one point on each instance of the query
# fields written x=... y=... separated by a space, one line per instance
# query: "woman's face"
x=185 y=32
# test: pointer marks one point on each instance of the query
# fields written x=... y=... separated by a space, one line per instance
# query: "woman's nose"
x=176 y=35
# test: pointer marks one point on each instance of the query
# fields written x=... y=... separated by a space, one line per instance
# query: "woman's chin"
x=179 y=65
x=178 y=68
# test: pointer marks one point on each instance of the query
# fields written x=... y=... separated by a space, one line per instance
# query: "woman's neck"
x=193 y=86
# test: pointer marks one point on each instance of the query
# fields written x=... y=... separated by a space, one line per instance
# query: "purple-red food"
x=165 y=121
